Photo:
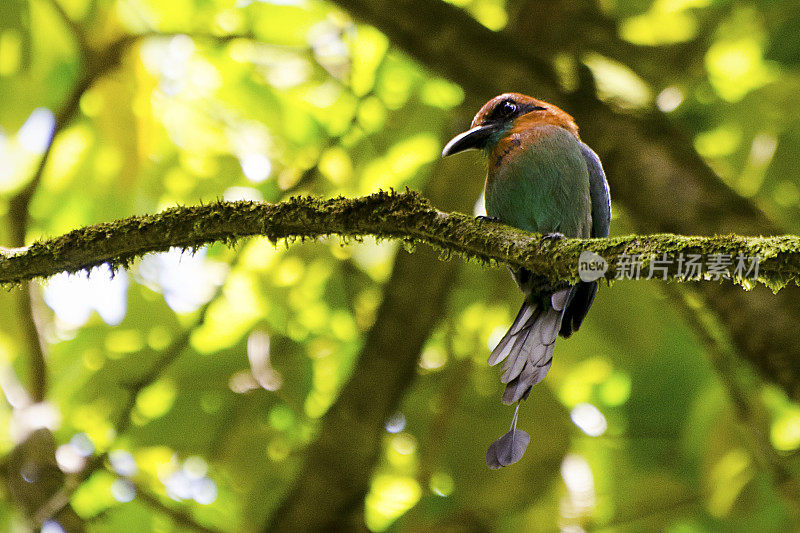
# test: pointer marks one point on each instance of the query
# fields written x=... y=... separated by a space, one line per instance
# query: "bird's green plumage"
x=543 y=187
x=541 y=178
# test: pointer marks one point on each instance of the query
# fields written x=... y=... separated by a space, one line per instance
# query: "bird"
x=541 y=178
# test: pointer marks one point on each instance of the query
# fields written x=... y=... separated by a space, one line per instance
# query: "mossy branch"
x=392 y=215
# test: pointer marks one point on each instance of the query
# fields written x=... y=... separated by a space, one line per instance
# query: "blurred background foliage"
x=182 y=394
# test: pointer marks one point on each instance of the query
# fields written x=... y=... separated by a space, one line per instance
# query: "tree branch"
x=391 y=215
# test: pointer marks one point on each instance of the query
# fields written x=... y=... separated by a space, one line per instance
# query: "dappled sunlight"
x=21 y=152
x=589 y=419
x=400 y=163
x=618 y=83
x=375 y=258
x=256 y=167
x=10 y=52
x=51 y=526
x=261 y=373
x=154 y=401
x=246 y=194
x=784 y=431
x=442 y=484
x=389 y=497
x=326 y=380
x=123 y=490
x=72 y=456
x=737 y=67
x=29 y=418
x=433 y=358
x=579 y=481
x=186 y=279
x=92 y=420
x=123 y=463
x=34 y=136
x=578 y=385
x=490 y=13
x=73 y=297
x=669 y=99
x=396 y=423
x=666 y=22
x=727 y=478
x=191 y=482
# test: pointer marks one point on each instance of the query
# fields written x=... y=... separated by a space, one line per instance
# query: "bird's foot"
x=555 y=236
x=484 y=218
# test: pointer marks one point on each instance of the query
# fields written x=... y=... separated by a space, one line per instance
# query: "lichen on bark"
x=406 y=216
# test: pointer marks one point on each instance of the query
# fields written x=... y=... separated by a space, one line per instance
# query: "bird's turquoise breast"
x=538 y=180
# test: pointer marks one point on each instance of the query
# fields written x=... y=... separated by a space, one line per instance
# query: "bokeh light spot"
x=442 y=484
x=389 y=497
x=589 y=419
x=396 y=423
x=156 y=400
x=123 y=490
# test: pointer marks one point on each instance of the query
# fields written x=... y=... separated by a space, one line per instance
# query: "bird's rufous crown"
x=531 y=112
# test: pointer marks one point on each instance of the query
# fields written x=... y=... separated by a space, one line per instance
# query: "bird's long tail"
x=527 y=347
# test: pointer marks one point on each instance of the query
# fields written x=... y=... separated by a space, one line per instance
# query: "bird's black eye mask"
x=510 y=109
x=491 y=128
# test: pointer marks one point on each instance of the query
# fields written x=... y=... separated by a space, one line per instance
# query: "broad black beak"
x=473 y=138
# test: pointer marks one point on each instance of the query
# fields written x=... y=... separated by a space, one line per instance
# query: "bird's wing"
x=598 y=191
x=582 y=295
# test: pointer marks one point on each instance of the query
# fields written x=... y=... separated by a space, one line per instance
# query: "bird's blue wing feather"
x=598 y=190
x=582 y=294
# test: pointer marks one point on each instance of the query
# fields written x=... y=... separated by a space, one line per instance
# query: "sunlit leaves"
x=369 y=48
x=617 y=82
x=490 y=13
x=736 y=67
x=230 y=316
x=187 y=118
x=21 y=152
x=401 y=162
x=389 y=497
x=155 y=400
x=441 y=93
x=335 y=164
x=15 y=37
x=666 y=22
x=718 y=143
x=287 y=25
x=728 y=477
x=94 y=495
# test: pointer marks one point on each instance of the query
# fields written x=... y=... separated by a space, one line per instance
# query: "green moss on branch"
x=384 y=215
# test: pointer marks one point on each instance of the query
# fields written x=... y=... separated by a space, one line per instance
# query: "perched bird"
x=541 y=178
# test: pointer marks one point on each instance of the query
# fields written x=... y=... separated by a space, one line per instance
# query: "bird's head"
x=504 y=114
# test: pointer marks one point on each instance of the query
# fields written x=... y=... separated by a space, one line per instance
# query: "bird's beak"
x=473 y=138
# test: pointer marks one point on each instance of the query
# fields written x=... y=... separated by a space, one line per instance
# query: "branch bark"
x=391 y=215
